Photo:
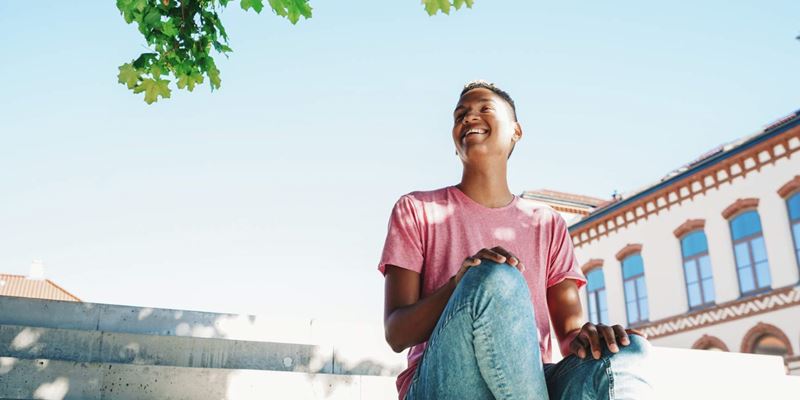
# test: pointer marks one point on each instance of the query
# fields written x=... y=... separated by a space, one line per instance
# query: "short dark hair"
x=481 y=84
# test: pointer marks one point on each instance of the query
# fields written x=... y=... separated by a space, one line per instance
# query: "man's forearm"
x=414 y=323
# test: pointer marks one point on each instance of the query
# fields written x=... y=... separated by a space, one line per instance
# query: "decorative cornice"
x=591 y=264
x=628 y=250
x=689 y=226
x=741 y=308
x=738 y=206
x=790 y=187
x=756 y=332
x=711 y=174
x=707 y=341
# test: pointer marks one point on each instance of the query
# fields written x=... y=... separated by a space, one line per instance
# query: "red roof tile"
x=21 y=286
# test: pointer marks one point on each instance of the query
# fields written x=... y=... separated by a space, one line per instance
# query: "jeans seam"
x=610 y=376
x=498 y=374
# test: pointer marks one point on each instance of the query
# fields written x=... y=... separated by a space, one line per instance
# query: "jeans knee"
x=499 y=280
x=639 y=348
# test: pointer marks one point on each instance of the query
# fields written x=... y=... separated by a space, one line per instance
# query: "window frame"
x=792 y=223
x=638 y=299
x=595 y=295
x=749 y=241
x=695 y=258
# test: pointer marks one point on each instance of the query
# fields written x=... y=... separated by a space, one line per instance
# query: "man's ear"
x=517 y=132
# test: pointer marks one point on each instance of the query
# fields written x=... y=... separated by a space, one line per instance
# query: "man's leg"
x=615 y=376
x=485 y=344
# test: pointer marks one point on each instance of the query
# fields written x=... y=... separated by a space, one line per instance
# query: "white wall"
x=732 y=332
x=661 y=249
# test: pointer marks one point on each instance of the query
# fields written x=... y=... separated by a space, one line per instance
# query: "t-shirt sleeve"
x=563 y=263
x=403 y=246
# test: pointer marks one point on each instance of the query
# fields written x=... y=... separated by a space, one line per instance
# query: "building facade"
x=709 y=256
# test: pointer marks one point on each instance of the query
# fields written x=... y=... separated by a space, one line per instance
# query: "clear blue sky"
x=272 y=194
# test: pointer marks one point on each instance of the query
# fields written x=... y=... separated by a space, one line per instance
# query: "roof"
x=21 y=286
x=709 y=158
x=575 y=200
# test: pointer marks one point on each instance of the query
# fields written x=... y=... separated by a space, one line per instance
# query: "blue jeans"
x=485 y=346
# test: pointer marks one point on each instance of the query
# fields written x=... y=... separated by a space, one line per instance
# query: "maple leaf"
x=434 y=6
x=257 y=5
x=168 y=28
x=128 y=75
x=189 y=81
x=153 y=88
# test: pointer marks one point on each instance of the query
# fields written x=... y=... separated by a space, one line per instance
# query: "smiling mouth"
x=473 y=131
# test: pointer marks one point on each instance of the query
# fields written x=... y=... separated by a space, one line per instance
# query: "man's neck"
x=486 y=186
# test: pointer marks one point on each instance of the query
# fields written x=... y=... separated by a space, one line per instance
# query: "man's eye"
x=487 y=109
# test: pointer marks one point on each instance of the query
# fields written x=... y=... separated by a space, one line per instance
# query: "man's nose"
x=469 y=116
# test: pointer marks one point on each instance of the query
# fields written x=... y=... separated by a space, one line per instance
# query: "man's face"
x=483 y=125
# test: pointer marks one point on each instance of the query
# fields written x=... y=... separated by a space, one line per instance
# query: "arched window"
x=766 y=339
x=596 y=296
x=751 y=254
x=771 y=345
x=793 y=202
x=697 y=269
x=635 y=289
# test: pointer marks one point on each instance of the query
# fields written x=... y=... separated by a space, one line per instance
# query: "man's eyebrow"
x=483 y=100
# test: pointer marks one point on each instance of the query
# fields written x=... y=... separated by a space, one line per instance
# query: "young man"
x=474 y=275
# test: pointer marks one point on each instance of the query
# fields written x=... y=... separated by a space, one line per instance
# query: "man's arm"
x=574 y=335
x=407 y=319
x=566 y=313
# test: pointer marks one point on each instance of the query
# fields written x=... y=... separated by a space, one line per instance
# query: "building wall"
x=663 y=261
x=732 y=332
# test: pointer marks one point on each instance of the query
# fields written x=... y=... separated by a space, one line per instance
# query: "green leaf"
x=189 y=81
x=432 y=7
x=145 y=60
x=128 y=75
x=152 y=89
x=168 y=28
x=152 y=19
x=459 y=3
x=213 y=76
x=291 y=9
x=257 y=5
x=139 y=4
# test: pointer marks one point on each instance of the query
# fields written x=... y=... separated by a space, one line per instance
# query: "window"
x=771 y=345
x=751 y=255
x=635 y=289
x=596 y=296
x=697 y=269
x=793 y=203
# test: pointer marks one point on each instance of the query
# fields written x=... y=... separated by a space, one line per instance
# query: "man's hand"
x=496 y=254
x=588 y=339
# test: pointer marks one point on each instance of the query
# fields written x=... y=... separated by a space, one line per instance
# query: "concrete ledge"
x=355 y=349
x=127 y=348
x=64 y=380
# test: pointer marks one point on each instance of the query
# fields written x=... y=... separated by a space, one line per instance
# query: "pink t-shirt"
x=432 y=232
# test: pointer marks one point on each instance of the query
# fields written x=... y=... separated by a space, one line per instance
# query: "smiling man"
x=474 y=274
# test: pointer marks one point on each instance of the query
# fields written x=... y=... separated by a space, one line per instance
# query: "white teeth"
x=474 y=130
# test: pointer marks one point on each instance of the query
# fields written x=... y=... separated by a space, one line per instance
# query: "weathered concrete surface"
x=127 y=348
x=64 y=380
x=359 y=348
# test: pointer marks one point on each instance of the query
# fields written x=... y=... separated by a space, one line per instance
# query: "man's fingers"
x=578 y=347
x=609 y=336
x=636 y=332
x=589 y=333
x=471 y=262
x=622 y=336
x=512 y=259
x=491 y=255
